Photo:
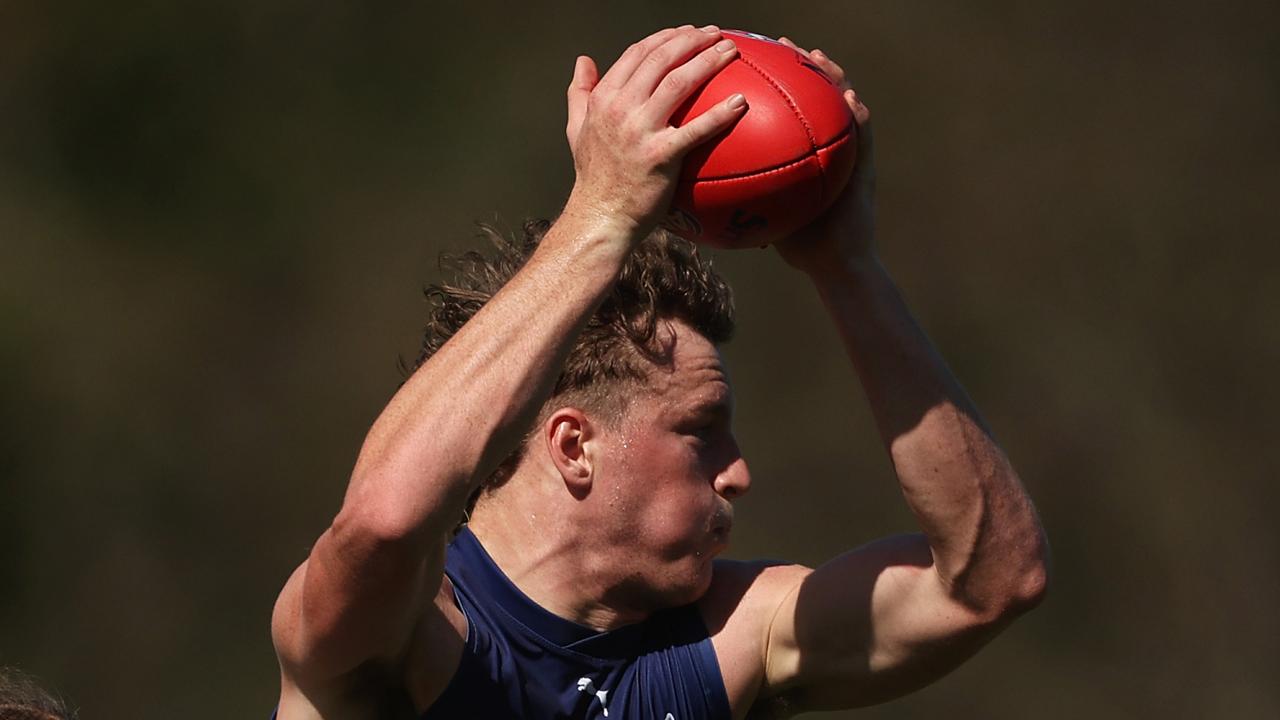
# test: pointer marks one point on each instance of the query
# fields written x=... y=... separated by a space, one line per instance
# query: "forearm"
x=468 y=407
x=987 y=543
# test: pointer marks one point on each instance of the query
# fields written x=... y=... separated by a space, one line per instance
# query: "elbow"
x=1026 y=588
x=1022 y=568
x=363 y=527
x=376 y=526
x=1014 y=597
x=1037 y=570
x=1016 y=584
x=388 y=506
x=379 y=546
x=1030 y=589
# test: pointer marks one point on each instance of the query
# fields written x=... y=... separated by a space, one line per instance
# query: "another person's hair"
x=22 y=698
x=664 y=279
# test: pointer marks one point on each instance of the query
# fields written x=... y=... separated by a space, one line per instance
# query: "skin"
x=652 y=497
x=608 y=519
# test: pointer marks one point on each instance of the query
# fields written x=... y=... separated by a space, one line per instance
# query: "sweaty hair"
x=664 y=279
x=21 y=698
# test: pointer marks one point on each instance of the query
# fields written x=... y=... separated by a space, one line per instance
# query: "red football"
x=783 y=163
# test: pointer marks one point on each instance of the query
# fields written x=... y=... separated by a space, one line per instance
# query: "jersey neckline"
x=483 y=574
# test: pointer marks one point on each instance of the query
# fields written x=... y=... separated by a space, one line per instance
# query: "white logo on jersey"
x=587 y=686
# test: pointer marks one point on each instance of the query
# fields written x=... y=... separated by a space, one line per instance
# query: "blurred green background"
x=216 y=219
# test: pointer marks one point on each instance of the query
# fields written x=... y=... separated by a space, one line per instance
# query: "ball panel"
x=838 y=160
x=751 y=210
x=806 y=86
x=769 y=134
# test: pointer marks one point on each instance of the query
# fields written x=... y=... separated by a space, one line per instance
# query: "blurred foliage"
x=215 y=219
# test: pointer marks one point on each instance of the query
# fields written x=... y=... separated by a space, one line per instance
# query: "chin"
x=680 y=585
x=704 y=579
x=700 y=567
x=697 y=580
x=680 y=579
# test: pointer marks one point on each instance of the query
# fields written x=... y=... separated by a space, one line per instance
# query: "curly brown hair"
x=664 y=279
x=22 y=698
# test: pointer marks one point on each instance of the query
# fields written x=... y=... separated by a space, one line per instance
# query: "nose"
x=734 y=480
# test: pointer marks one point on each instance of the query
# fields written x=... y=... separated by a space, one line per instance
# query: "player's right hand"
x=626 y=154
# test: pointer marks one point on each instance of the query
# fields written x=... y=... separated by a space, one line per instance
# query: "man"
x=571 y=399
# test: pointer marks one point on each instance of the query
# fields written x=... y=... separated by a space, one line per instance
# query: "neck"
x=547 y=556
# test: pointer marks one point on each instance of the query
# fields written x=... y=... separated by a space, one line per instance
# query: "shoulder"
x=430 y=658
x=738 y=608
x=740 y=588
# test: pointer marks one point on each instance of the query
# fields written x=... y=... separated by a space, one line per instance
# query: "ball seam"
x=795 y=110
x=780 y=168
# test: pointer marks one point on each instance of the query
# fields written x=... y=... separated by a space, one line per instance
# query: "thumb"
x=865 y=170
x=585 y=77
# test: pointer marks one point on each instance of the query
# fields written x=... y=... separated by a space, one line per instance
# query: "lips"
x=722 y=522
x=721 y=527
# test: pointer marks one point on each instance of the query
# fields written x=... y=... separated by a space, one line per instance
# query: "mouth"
x=720 y=530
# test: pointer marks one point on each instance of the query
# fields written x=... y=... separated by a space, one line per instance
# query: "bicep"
x=868 y=626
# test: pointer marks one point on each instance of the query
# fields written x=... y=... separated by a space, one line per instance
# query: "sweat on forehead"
x=689 y=364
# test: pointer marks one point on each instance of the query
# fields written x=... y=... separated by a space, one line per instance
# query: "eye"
x=708 y=431
x=705 y=427
x=695 y=431
x=700 y=431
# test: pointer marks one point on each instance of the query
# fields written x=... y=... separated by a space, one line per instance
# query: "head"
x=22 y=698
x=635 y=441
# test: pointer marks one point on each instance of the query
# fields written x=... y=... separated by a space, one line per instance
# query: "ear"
x=567 y=433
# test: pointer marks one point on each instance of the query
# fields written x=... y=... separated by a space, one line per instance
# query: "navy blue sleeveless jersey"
x=521 y=661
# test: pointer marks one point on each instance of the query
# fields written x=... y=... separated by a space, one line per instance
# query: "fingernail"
x=710 y=29
x=817 y=54
x=724 y=46
x=737 y=101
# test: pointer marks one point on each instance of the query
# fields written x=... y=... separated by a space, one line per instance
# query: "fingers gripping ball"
x=780 y=166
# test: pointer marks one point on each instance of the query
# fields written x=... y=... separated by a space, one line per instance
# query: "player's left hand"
x=845 y=233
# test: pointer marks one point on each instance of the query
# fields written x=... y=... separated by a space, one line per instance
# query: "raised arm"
x=894 y=615
x=369 y=579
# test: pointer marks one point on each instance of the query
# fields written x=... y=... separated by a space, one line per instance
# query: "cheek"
x=673 y=466
x=678 y=499
x=661 y=484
